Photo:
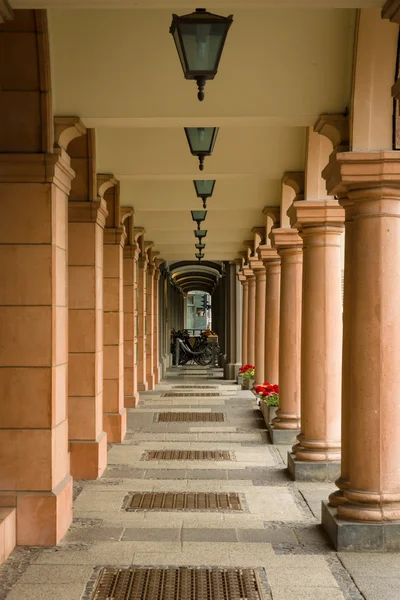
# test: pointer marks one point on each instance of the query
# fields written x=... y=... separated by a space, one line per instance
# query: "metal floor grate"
x=177 y=583
x=183 y=501
x=190 y=393
x=188 y=455
x=193 y=388
x=188 y=417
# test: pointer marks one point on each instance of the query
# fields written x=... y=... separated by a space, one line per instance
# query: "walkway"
x=277 y=528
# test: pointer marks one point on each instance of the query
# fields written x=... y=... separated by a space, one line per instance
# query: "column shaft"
x=245 y=319
x=321 y=227
x=150 y=327
x=374 y=488
x=88 y=441
x=259 y=341
x=141 y=333
x=343 y=482
x=289 y=246
x=34 y=466
x=131 y=396
x=251 y=327
x=157 y=329
x=272 y=310
x=113 y=405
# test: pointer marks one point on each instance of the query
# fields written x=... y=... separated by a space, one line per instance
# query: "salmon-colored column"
x=141 y=334
x=320 y=225
x=373 y=184
x=272 y=263
x=114 y=410
x=131 y=255
x=342 y=483
x=150 y=326
x=251 y=321
x=156 y=313
x=259 y=327
x=34 y=466
x=88 y=441
x=289 y=246
x=245 y=317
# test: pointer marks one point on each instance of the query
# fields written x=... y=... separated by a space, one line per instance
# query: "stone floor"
x=277 y=530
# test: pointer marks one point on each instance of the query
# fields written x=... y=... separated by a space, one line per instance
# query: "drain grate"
x=188 y=455
x=188 y=417
x=195 y=387
x=177 y=583
x=183 y=501
x=186 y=394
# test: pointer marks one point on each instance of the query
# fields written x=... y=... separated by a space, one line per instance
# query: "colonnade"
x=337 y=392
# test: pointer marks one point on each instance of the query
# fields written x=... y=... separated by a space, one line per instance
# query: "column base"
x=8 y=532
x=115 y=426
x=231 y=371
x=150 y=381
x=143 y=387
x=312 y=471
x=88 y=458
x=131 y=401
x=282 y=436
x=355 y=536
x=43 y=518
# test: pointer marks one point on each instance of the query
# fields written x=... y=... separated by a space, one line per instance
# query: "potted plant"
x=268 y=401
x=247 y=373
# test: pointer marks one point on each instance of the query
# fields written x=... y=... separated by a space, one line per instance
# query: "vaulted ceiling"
x=114 y=64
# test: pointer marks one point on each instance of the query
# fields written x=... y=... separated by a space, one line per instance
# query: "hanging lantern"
x=199 y=216
x=204 y=189
x=201 y=142
x=199 y=39
x=199 y=256
x=200 y=247
x=200 y=233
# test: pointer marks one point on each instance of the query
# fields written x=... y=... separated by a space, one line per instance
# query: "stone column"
x=245 y=317
x=272 y=264
x=131 y=256
x=251 y=321
x=156 y=312
x=233 y=323
x=259 y=326
x=35 y=466
x=150 y=326
x=87 y=440
x=342 y=483
x=372 y=497
x=141 y=334
x=286 y=426
x=114 y=410
x=317 y=456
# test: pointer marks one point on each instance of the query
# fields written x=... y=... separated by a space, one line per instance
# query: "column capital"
x=267 y=254
x=360 y=173
x=6 y=12
x=257 y=266
x=247 y=272
x=115 y=236
x=286 y=239
x=309 y=214
x=88 y=212
x=143 y=262
x=132 y=251
x=36 y=168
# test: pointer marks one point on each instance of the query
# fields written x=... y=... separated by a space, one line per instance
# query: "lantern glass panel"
x=199 y=215
x=204 y=187
x=200 y=233
x=202 y=44
x=200 y=138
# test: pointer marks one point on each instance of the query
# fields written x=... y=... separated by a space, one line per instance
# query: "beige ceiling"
x=118 y=70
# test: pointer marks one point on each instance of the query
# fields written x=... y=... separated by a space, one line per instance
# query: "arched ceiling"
x=114 y=64
x=189 y=275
